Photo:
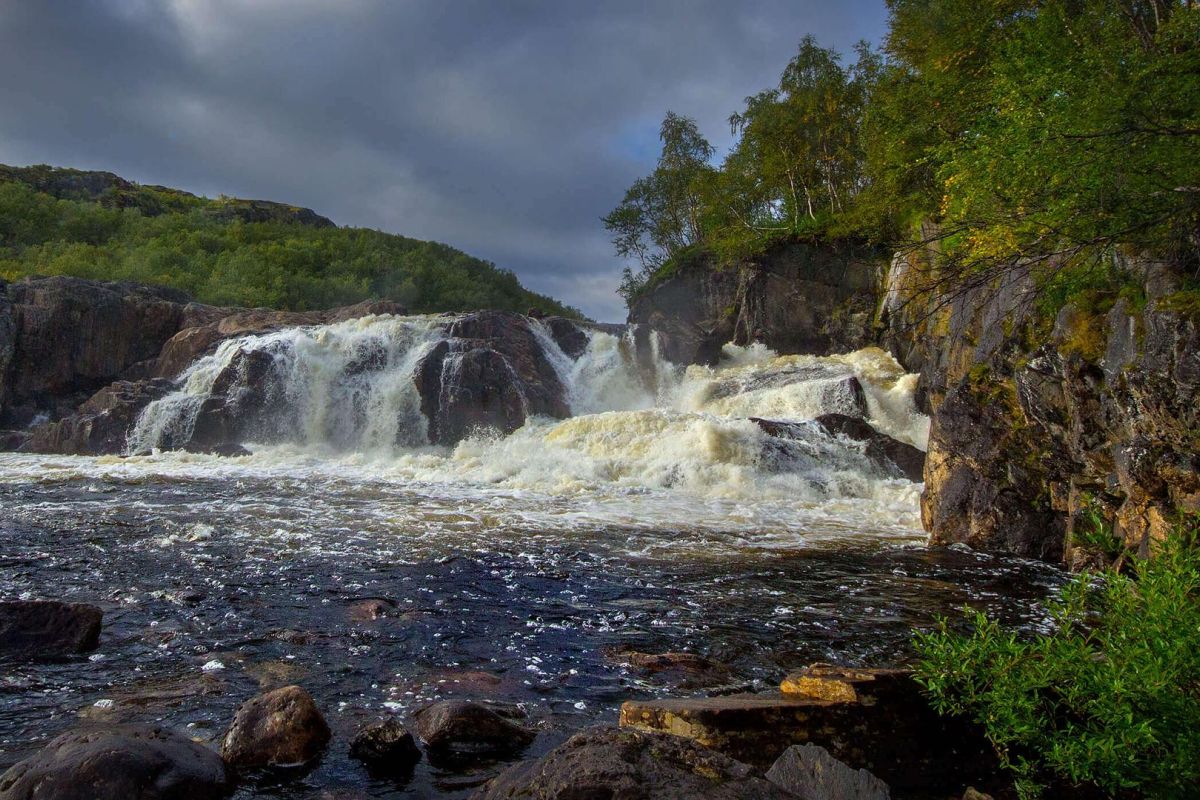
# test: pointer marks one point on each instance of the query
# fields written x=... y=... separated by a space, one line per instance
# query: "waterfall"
x=599 y=415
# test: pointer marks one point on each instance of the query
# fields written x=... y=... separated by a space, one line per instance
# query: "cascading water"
x=350 y=391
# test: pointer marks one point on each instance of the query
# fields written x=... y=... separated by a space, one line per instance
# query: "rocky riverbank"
x=828 y=734
x=1037 y=422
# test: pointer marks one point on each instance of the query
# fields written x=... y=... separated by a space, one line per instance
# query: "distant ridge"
x=233 y=251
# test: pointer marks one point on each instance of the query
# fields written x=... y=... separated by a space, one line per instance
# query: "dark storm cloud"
x=504 y=128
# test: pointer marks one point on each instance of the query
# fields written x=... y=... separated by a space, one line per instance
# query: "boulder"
x=386 y=747
x=282 y=728
x=877 y=720
x=891 y=456
x=119 y=762
x=883 y=450
x=489 y=374
x=570 y=338
x=465 y=728
x=620 y=764
x=102 y=424
x=808 y=771
x=47 y=629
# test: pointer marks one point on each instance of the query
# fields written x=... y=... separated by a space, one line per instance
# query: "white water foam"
x=675 y=447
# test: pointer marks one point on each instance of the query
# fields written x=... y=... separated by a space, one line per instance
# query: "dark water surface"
x=216 y=587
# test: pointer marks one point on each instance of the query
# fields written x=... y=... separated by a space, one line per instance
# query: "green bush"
x=1108 y=698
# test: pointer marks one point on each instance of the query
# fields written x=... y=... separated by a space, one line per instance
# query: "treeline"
x=1050 y=133
x=233 y=252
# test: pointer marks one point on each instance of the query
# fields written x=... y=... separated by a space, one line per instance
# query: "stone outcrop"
x=62 y=339
x=87 y=356
x=488 y=374
x=119 y=762
x=282 y=728
x=1036 y=423
x=622 y=764
x=877 y=720
x=102 y=423
x=798 y=297
x=890 y=456
x=47 y=629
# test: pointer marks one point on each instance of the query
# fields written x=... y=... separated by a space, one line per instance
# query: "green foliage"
x=660 y=215
x=204 y=247
x=1066 y=126
x=1043 y=132
x=1109 y=698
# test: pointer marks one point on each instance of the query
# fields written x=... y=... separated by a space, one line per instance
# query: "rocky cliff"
x=1041 y=422
x=798 y=297
x=1038 y=422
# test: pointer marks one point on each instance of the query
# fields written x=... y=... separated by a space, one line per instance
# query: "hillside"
x=231 y=251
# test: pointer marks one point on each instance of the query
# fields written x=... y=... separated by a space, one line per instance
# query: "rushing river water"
x=380 y=574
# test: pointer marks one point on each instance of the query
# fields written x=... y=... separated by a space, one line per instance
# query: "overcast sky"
x=506 y=129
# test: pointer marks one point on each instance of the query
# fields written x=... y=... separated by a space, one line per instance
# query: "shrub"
x=1109 y=698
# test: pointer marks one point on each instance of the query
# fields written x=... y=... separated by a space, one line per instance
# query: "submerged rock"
x=619 y=764
x=683 y=670
x=808 y=771
x=892 y=456
x=386 y=747
x=460 y=727
x=47 y=629
x=282 y=728
x=119 y=762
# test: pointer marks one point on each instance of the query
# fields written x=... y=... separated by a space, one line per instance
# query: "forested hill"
x=230 y=251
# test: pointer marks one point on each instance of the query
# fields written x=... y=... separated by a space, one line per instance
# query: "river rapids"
x=347 y=554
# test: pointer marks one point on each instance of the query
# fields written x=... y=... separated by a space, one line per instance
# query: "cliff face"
x=796 y=298
x=1031 y=434
x=1096 y=411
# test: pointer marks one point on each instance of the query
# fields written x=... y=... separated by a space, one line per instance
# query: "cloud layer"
x=506 y=129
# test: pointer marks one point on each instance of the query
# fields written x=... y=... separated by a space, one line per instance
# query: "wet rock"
x=808 y=771
x=974 y=794
x=47 y=629
x=281 y=728
x=119 y=762
x=797 y=297
x=460 y=727
x=567 y=335
x=487 y=376
x=878 y=720
x=892 y=456
x=101 y=425
x=64 y=338
x=369 y=609
x=152 y=696
x=386 y=747
x=619 y=764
